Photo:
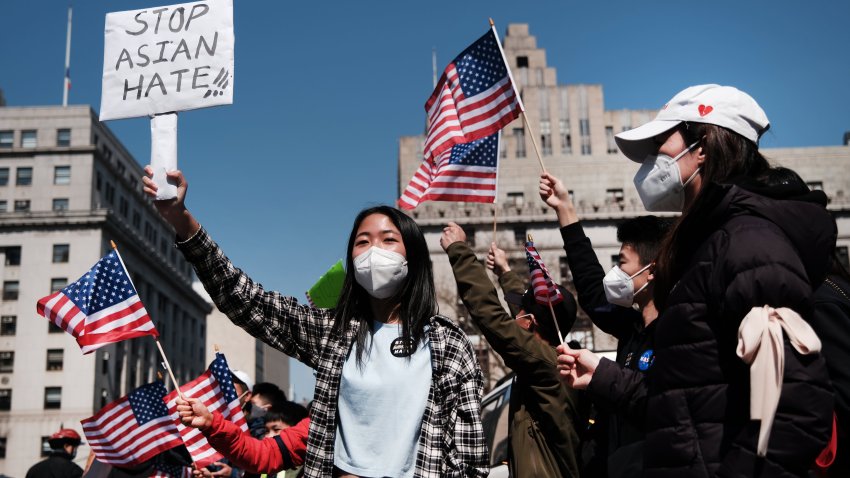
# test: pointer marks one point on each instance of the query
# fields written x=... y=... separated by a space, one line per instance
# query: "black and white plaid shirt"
x=451 y=443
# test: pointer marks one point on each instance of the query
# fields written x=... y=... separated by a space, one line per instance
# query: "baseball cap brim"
x=638 y=142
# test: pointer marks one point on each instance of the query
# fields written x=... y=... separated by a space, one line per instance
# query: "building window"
x=137 y=219
x=564 y=267
x=63 y=137
x=614 y=196
x=5 y=399
x=62 y=175
x=584 y=130
x=10 y=290
x=24 y=177
x=470 y=240
x=2 y=447
x=57 y=283
x=4 y=176
x=4 y=206
x=13 y=255
x=516 y=199
x=99 y=181
x=546 y=137
x=22 y=205
x=60 y=204
x=609 y=138
x=615 y=259
x=7 y=139
x=8 y=324
x=519 y=137
x=61 y=252
x=522 y=62
x=566 y=139
x=7 y=361
x=52 y=398
x=29 y=139
x=54 y=329
x=520 y=235
x=110 y=192
x=123 y=207
x=54 y=359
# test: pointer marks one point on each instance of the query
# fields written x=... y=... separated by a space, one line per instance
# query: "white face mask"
x=620 y=288
x=380 y=272
x=659 y=182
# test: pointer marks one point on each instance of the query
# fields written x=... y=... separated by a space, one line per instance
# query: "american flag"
x=467 y=172
x=100 y=308
x=215 y=389
x=545 y=290
x=474 y=98
x=132 y=429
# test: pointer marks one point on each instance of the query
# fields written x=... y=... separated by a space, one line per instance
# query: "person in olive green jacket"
x=544 y=412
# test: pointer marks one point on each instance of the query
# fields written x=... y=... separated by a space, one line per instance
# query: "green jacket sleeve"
x=520 y=349
x=511 y=282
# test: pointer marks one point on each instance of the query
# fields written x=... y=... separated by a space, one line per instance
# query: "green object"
x=325 y=292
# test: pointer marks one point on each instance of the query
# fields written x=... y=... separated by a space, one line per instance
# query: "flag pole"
x=533 y=141
x=496 y=193
x=549 y=301
x=156 y=340
x=518 y=97
x=66 y=83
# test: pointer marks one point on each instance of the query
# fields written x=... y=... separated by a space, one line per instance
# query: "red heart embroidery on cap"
x=704 y=110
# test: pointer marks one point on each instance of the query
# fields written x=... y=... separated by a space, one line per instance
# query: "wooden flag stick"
x=554 y=319
x=533 y=140
x=168 y=369
x=158 y=346
x=495 y=212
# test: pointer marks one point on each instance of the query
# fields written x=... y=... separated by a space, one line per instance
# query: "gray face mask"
x=659 y=182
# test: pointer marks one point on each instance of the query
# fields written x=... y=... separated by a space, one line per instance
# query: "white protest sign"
x=163 y=59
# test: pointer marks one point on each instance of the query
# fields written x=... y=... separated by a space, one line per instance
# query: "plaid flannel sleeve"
x=280 y=321
x=466 y=430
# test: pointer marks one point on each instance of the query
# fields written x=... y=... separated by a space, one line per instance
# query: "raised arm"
x=585 y=267
x=269 y=455
x=520 y=350
x=278 y=320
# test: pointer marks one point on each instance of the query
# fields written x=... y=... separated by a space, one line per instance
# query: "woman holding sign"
x=398 y=387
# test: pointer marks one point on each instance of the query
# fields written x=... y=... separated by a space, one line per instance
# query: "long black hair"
x=728 y=155
x=417 y=298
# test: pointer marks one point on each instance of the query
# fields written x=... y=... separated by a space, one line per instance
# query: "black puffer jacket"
x=742 y=249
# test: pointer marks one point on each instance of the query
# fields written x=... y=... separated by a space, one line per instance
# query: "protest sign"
x=166 y=59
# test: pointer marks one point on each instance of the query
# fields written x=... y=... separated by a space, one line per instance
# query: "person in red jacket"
x=269 y=455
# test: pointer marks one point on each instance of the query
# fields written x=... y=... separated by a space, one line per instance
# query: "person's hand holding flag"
x=193 y=413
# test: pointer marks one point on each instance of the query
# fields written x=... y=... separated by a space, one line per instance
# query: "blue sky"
x=323 y=90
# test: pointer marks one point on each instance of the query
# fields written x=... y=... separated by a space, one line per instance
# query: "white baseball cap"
x=724 y=106
x=244 y=378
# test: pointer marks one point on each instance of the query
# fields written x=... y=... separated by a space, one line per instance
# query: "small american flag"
x=474 y=98
x=100 y=308
x=545 y=290
x=467 y=172
x=132 y=429
x=163 y=470
x=215 y=389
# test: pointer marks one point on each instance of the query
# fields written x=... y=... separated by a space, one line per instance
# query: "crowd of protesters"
x=732 y=322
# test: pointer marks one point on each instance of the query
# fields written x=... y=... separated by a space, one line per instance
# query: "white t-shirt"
x=381 y=405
